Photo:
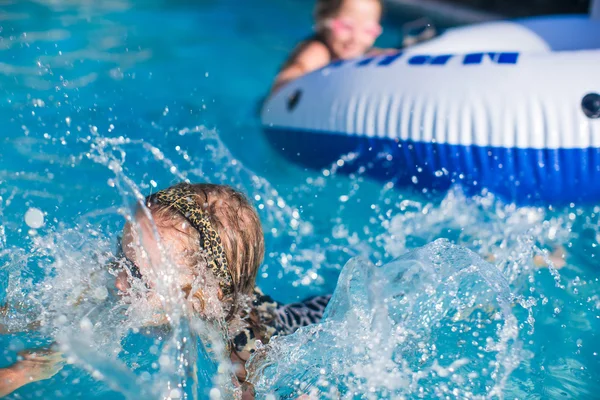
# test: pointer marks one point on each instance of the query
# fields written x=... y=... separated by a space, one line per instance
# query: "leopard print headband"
x=183 y=199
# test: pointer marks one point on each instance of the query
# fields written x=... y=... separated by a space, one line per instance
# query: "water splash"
x=78 y=75
x=439 y=314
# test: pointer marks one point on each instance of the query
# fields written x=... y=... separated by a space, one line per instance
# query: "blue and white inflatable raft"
x=510 y=107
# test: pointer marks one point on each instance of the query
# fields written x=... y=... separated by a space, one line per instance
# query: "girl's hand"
x=557 y=257
x=38 y=365
x=35 y=365
x=379 y=52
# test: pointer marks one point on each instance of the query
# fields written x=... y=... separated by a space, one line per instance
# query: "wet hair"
x=325 y=9
x=235 y=221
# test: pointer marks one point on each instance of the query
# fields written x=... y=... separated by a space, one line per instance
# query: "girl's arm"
x=36 y=365
x=313 y=56
x=238 y=360
x=239 y=363
x=10 y=380
x=375 y=51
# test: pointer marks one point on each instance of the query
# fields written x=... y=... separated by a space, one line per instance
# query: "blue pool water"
x=103 y=100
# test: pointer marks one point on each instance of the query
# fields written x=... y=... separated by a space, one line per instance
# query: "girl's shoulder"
x=314 y=44
x=269 y=317
x=313 y=50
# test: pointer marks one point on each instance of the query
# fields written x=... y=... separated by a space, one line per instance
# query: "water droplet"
x=100 y=293
x=34 y=218
x=97 y=375
x=164 y=361
x=85 y=324
x=114 y=166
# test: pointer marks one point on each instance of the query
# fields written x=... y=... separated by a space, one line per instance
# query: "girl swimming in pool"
x=344 y=29
x=212 y=233
x=213 y=237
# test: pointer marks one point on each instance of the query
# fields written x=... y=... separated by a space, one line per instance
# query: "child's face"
x=143 y=252
x=141 y=248
x=355 y=28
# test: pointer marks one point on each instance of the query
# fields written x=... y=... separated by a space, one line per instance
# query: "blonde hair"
x=237 y=224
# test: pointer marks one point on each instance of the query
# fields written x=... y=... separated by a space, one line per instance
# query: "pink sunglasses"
x=340 y=25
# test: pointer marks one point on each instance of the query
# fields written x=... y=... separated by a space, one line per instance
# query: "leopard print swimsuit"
x=280 y=319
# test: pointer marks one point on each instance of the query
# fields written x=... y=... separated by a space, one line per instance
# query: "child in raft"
x=344 y=29
x=213 y=236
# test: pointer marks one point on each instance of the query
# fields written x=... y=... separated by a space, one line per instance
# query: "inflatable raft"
x=509 y=107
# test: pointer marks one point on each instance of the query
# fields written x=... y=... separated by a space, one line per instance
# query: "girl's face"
x=163 y=272
x=354 y=28
x=141 y=249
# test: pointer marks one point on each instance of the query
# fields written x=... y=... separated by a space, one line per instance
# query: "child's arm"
x=238 y=361
x=557 y=257
x=10 y=380
x=36 y=365
x=375 y=51
x=313 y=56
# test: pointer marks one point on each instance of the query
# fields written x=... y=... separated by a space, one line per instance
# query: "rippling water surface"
x=104 y=102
